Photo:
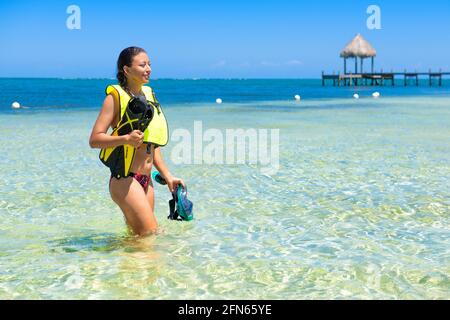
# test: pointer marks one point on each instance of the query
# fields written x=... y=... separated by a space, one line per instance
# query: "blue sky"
x=218 y=39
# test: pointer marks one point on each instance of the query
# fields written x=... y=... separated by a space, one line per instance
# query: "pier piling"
x=380 y=78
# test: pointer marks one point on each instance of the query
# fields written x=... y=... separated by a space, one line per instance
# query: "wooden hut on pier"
x=362 y=49
x=358 y=48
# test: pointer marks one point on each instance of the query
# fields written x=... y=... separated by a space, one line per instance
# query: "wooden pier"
x=382 y=78
x=360 y=48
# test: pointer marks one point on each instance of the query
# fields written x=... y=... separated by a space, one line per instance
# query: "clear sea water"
x=359 y=209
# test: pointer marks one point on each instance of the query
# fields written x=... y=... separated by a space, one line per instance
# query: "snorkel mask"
x=183 y=205
x=180 y=207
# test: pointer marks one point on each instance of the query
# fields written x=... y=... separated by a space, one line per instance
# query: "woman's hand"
x=135 y=138
x=173 y=182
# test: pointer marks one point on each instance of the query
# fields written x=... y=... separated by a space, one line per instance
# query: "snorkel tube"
x=158 y=178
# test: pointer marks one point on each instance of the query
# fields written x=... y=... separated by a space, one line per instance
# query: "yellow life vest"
x=157 y=131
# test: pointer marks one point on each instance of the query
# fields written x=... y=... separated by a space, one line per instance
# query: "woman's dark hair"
x=125 y=59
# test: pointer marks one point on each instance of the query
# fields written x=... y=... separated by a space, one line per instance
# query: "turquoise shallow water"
x=358 y=209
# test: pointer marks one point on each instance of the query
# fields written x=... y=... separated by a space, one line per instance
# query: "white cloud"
x=293 y=62
x=219 y=64
x=244 y=64
x=270 y=64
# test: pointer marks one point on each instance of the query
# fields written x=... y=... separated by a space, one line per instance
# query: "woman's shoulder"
x=112 y=99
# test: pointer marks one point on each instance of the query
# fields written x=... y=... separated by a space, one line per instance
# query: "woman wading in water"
x=133 y=191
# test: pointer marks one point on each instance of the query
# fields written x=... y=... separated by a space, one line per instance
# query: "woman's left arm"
x=158 y=161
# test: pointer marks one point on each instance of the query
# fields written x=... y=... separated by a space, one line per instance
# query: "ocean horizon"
x=88 y=93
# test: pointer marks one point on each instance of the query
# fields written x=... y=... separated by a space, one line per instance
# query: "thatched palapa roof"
x=358 y=47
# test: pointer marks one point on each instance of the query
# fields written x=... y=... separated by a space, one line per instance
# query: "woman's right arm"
x=100 y=139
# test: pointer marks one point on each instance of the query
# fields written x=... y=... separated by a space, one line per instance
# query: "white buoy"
x=376 y=94
x=356 y=96
x=297 y=97
x=218 y=100
x=15 y=105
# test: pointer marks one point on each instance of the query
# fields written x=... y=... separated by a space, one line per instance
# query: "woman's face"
x=140 y=69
